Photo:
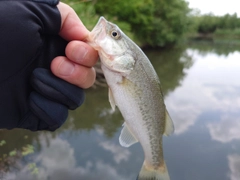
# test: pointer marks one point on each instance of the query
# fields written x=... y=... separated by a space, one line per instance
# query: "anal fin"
x=169 y=127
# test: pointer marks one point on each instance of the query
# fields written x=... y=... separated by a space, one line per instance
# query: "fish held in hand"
x=134 y=88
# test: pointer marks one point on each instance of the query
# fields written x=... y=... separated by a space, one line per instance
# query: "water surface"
x=201 y=83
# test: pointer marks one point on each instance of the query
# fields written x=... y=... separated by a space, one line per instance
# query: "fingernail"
x=80 y=53
x=65 y=68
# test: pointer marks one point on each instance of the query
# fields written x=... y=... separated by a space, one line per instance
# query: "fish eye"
x=115 y=34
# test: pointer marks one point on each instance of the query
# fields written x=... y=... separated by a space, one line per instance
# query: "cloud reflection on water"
x=211 y=84
x=227 y=102
x=57 y=161
x=119 y=153
x=226 y=130
x=234 y=165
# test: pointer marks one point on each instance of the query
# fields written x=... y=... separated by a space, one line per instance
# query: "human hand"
x=77 y=66
x=31 y=45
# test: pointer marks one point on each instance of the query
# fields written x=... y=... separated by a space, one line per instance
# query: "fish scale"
x=134 y=88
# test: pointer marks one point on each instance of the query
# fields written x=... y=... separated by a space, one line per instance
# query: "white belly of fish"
x=141 y=123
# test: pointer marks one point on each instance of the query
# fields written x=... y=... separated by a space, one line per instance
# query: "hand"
x=76 y=66
x=30 y=45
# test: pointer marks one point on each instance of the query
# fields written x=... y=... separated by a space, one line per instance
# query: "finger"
x=81 y=53
x=78 y=75
x=71 y=27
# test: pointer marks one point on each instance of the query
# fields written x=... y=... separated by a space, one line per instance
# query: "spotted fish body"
x=134 y=88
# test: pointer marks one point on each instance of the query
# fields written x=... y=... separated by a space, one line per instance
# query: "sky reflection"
x=57 y=160
x=210 y=85
x=227 y=129
x=234 y=165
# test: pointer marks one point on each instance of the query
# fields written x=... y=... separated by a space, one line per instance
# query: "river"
x=201 y=84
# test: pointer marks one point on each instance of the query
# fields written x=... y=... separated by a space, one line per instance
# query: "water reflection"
x=210 y=85
x=218 y=47
x=234 y=165
x=96 y=111
x=119 y=153
x=227 y=129
x=202 y=92
x=170 y=65
x=57 y=161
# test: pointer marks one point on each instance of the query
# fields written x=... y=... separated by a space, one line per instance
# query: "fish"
x=134 y=87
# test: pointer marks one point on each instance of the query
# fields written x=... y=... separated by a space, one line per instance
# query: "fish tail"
x=147 y=173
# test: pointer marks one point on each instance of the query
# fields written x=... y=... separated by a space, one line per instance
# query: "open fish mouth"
x=98 y=33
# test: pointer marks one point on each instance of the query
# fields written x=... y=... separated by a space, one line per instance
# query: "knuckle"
x=87 y=77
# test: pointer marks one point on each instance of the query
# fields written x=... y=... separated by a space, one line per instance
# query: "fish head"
x=112 y=45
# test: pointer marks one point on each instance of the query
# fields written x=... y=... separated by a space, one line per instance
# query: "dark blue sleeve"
x=29 y=41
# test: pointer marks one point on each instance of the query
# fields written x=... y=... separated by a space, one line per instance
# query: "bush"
x=210 y=24
x=153 y=22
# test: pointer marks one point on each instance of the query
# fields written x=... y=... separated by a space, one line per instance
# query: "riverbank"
x=220 y=35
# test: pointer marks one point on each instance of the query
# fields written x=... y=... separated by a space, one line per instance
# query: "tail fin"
x=153 y=174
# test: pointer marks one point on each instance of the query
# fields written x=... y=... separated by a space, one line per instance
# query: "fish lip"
x=97 y=30
x=102 y=22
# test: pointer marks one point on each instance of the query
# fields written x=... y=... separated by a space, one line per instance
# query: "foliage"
x=148 y=22
x=2 y=142
x=153 y=22
x=210 y=23
x=230 y=33
x=85 y=10
x=13 y=153
x=8 y=160
x=229 y=21
x=207 y=24
x=136 y=13
x=170 y=22
x=33 y=168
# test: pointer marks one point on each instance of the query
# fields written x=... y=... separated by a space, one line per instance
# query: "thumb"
x=72 y=27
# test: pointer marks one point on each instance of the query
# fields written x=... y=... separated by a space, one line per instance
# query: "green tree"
x=153 y=22
x=208 y=23
x=136 y=13
x=229 y=21
x=170 y=22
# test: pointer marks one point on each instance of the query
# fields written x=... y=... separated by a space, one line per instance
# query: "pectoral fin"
x=169 y=127
x=111 y=99
x=127 y=138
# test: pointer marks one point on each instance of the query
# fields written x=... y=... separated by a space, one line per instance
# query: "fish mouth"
x=102 y=22
x=98 y=32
